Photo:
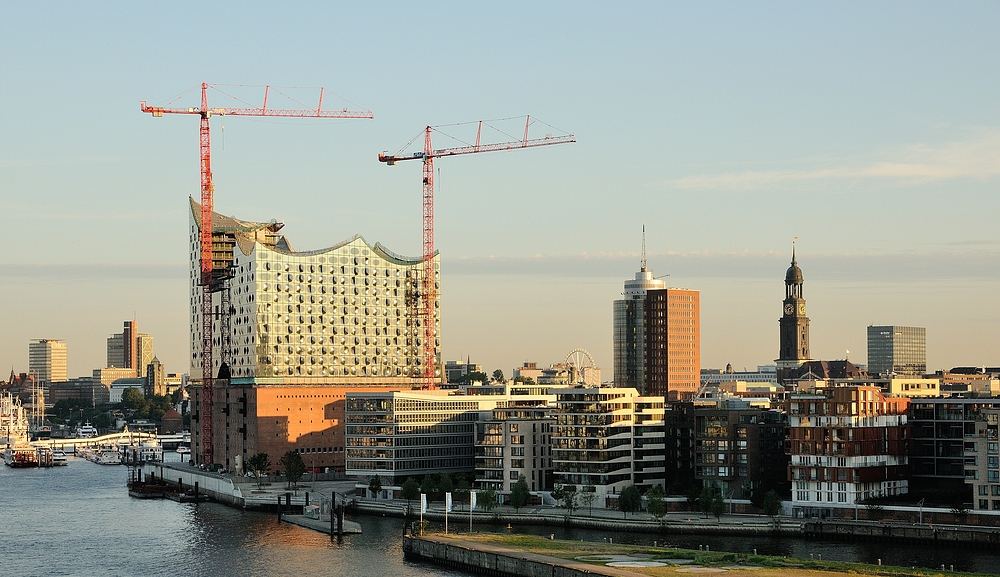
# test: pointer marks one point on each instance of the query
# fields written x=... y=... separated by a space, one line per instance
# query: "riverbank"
x=517 y=555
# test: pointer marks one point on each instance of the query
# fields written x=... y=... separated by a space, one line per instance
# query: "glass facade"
x=899 y=350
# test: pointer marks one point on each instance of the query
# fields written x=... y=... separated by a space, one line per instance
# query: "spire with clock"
x=794 y=346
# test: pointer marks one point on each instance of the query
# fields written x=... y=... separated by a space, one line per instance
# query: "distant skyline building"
x=897 y=349
x=47 y=360
x=793 y=348
x=130 y=349
x=657 y=336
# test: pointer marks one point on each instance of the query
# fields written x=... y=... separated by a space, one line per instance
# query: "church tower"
x=794 y=346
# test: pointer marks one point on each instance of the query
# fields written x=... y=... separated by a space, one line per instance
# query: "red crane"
x=429 y=293
x=207 y=202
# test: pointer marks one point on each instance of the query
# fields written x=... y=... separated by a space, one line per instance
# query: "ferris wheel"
x=582 y=368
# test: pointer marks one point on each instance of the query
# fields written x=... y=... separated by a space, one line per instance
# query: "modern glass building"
x=899 y=350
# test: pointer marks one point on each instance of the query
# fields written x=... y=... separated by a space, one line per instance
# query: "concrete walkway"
x=321 y=525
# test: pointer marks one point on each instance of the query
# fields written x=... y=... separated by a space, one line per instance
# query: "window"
x=996 y=504
x=517 y=439
x=993 y=462
x=517 y=463
x=513 y=477
x=993 y=476
x=984 y=504
x=993 y=448
x=985 y=489
x=994 y=490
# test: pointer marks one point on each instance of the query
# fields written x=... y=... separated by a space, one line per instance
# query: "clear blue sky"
x=870 y=130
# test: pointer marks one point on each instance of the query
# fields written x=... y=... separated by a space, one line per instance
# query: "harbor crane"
x=204 y=112
x=428 y=294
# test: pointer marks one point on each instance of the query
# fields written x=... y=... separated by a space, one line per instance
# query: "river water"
x=79 y=520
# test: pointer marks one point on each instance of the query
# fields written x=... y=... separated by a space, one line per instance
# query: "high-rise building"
x=143 y=353
x=116 y=351
x=129 y=333
x=793 y=350
x=47 y=360
x=657 y=337
x=303 y=329
x=894 y=349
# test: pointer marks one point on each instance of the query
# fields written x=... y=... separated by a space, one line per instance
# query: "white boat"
x=108 y=456
x=147 y=451
x=13 y=421
x=182 y=450
x=59 y=459
x=86 y=431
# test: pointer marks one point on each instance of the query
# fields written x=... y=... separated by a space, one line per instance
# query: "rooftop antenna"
x=642 y=265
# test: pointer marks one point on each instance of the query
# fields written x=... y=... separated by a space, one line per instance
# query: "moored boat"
x=20 y=456
x=59 y=459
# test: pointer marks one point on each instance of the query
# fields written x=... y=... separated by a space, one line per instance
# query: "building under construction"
x=293 y=331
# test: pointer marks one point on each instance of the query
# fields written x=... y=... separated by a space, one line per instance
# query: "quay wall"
x=461 y=518
x=494 y=563
x=854 y=531
x=218 y=487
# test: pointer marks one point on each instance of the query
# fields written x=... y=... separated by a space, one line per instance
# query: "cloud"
x=939 y=265
x=976 y=158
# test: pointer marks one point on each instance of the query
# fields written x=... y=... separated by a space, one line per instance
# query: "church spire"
x=794 y=239
x=642 y=264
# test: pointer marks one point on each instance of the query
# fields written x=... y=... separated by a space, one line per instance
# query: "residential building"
x=605 y=439
x=156 y=378
x=400 y=434
x=47 y=360
x=529 y=370
x=727 y=445
x=515 y=442
x=912 y=387
x=982 y=460
x=657 y=337
x=305 y=328
x=897 y=350
x=763 y=374
x=940 y=427
x=847 y=444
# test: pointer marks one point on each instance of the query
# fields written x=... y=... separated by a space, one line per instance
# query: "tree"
x=519 y=493
x=772 y=504
x=498 y=376
x=463 y=489
x=259 y=465
x=410 y=490
x=587 y=497
x=705 y=500
x=525 y=380
x=718 y=506
x=567 y=495
x=132 y=400
x=629 y=500
x=375 y=485
x=489 y=500
x=445 y=485
x=692 y=498
x=654 y=502
x=429 y=487
x=294 y=468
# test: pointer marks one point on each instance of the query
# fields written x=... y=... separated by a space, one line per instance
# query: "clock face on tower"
x=789 y=308
x=802 y=309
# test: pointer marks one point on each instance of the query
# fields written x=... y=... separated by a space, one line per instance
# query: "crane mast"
x=207 y=206
x=429 y=282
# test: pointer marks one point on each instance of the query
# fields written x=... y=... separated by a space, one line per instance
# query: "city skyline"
x=868 y=131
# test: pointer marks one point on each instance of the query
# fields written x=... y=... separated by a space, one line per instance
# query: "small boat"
x=108 y=456
x=147 y=451
x=59 y=459
x=182 y=450
x=86 y=431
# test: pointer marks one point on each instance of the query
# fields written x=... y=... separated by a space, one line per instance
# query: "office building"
x=456 y=370
x=47 y=360
x=937 y=461
x=847 y=444
x=605 y=439
x=116 y=351
x=897 y=350
x=402 y=434
x=86 y=389
x=110 y=375
x=657 y=337
x=303 y=329
x=130 y=349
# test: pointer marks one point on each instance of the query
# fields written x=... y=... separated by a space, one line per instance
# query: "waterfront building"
x=847 y=444
x=940 y=425
x=657 y=337
x=605 y=439
x=728 y=445
x=897 y=350
x=303 y=329
x=515 y=442
x=793 y=348
x=982 y=459
x=400 y=434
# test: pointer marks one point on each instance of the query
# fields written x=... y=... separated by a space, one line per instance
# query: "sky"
x=868 y=130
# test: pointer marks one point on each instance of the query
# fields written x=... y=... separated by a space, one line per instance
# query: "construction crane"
x=429 y=292
x=207 y=203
